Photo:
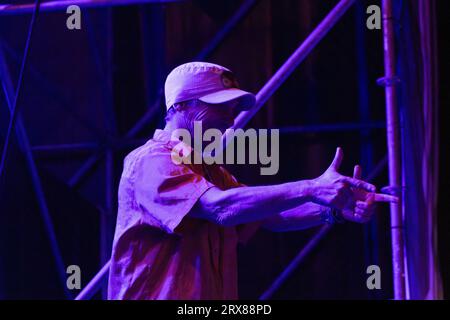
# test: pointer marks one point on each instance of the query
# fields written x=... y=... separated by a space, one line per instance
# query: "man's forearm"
x=304 y=216
x=248 y=204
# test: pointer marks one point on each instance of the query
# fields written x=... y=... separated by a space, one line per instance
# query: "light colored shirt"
x=158 y=251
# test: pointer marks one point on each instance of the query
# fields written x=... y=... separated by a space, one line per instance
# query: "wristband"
x=331 y=215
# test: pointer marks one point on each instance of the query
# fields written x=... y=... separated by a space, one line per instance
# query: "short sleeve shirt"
x=158 y=251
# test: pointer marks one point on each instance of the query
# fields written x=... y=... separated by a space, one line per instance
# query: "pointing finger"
x=378 y=197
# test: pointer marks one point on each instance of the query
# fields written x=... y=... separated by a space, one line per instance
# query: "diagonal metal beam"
x=294 y=60
x=24 y=144
x=95 y=284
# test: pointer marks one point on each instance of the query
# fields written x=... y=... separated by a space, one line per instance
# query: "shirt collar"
x=162 y=135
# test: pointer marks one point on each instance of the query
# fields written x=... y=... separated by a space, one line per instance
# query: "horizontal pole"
x=335 y=127
x=13 y=9
x=114 y=144
x=66 y=147
x=128 y=143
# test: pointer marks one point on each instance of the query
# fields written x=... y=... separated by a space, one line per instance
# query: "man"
x=178 y=225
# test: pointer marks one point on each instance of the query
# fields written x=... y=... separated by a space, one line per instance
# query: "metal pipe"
x=107 y=219
x=294 y=60
x=335 y=127
x=88 y=165
x=66 y=147
x=294 y=263
x=50 y=6
x=371 y=254
x=95 y=284
x=394 y=150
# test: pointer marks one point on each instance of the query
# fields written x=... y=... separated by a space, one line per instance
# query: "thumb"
x=337 y=159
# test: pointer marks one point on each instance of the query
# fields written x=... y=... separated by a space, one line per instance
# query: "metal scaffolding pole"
x=13 y=9
x=333 y=127
x=294 y=60
x=304 y=252
x=95 y=284
x=394 y=150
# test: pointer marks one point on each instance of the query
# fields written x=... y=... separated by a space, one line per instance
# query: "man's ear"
x=181 y=106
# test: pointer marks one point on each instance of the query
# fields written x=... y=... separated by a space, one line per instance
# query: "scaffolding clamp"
x=392 y=190
x=388 y=81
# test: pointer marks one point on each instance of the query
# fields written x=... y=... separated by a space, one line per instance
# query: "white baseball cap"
x=208 y=82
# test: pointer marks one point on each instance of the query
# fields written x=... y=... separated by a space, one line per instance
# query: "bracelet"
x=337 y=216
x=331 y=215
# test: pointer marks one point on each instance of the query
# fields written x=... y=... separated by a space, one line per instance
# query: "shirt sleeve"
x=166 y=191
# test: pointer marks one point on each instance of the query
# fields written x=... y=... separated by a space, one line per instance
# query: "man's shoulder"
x=152 y=146
x=147 y=152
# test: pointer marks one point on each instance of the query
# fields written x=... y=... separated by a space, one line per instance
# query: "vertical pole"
x=394 y=150
x=153 y=34
x=108 y=216
x=105 y=77
x=366 y=151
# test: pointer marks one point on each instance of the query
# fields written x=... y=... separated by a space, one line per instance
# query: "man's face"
x=217 y=116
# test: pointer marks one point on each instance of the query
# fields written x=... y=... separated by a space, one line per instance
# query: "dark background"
x=75 y=78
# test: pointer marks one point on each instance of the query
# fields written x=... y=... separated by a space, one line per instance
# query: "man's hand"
x=364 y=202
x=334 y=190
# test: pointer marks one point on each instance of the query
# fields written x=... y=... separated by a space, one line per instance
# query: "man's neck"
x=170 y=127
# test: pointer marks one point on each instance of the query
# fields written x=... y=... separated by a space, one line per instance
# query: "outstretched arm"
x=302 y=217
x=361 y=210
x=248 y=204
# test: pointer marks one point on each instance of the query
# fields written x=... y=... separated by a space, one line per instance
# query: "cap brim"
x=247 y=99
